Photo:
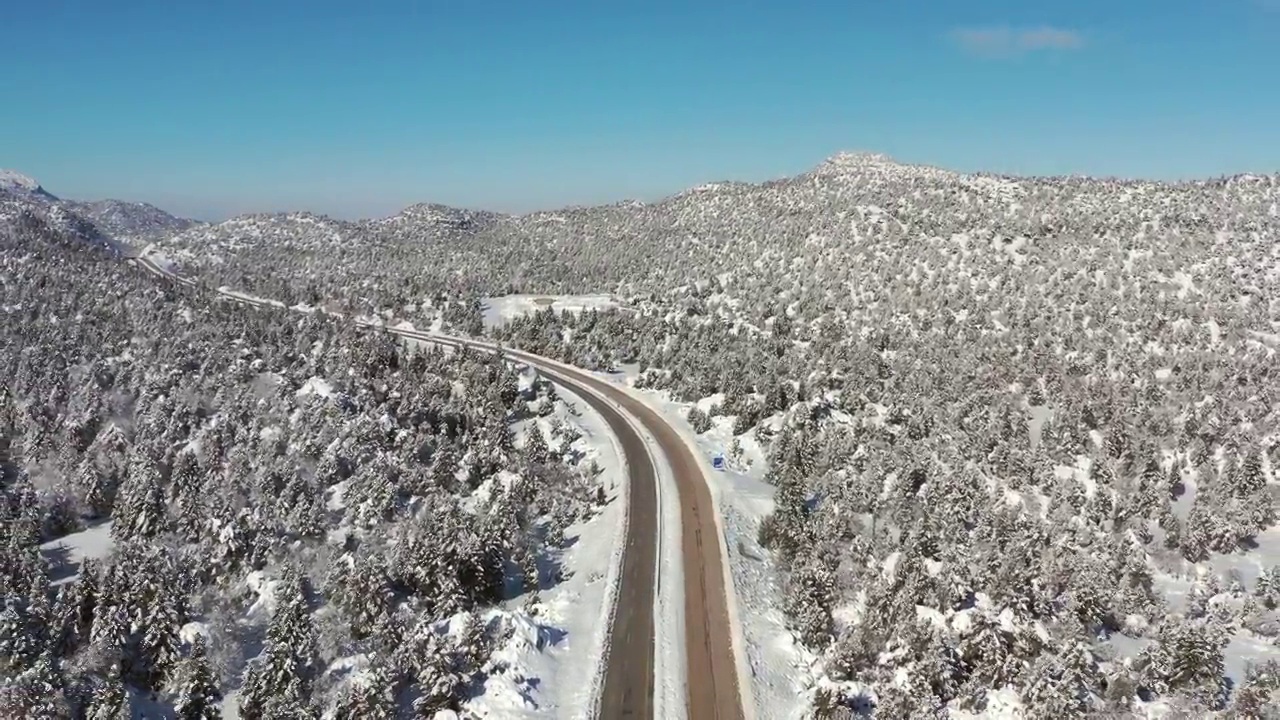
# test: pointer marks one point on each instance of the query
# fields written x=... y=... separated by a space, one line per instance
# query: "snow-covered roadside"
x=159 y=259
x=568 y=673
x=552 y=663
x=669 y=661
x=579 y=609
x=773 y=671
x=670 y=676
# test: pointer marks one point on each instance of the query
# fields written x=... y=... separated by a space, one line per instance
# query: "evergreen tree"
x=444 y=467
x=97 y=493
x=1247 y=479
x=535 y=448
x=157 y=649
x=809 y=600
x=109 y=701
x=17 y=645
x=37 y=692
x=1200 y=532
x=141 y=511
x=366 y=698
x=198 y=694
x=279 y=682
x=436 y=681
x=698 y=420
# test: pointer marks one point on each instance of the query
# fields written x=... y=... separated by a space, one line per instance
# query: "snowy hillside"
x=131 y=222
x=1020 y=433
x=279 y=515
x=1077 y=366
x=114 y=222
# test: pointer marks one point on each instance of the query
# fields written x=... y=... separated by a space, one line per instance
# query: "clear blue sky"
x=215 y=108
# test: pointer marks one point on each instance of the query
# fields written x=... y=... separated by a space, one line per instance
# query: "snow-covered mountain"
x=849 y=210
x=435 y=215
x=131 y=221
x=24 y=202
x=15 y=182
x=116 y=221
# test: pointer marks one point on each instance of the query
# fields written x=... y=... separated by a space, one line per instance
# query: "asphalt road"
x=712 y=682
x=712 y=690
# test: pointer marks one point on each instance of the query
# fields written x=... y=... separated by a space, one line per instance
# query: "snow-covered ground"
x=1211 y=580
x=66 y=554
x=498 y=310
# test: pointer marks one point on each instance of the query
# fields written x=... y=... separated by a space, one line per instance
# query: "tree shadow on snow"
x=58 y=554
x=61 y=566
x=551 y=570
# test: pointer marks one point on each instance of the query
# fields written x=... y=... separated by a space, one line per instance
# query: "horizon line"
x=831 y=160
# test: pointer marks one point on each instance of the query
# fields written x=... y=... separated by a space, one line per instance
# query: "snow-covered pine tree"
x=810 y=591
x=278 y=683
x=698 y=420
x=368 y=697
x=37 y=692
x=198 y=696
x=140 y=511
x=535 y=448
x=109 y=700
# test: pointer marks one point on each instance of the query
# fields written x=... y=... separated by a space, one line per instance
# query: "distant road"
x=628 y=689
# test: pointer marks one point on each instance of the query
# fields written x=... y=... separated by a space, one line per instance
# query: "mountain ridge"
x=851 y=165
x=13 y=181
x=119 y=220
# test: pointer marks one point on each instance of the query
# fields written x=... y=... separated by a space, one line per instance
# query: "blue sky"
x=215 y=108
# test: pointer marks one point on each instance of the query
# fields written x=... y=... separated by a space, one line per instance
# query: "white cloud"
x=1005 y=41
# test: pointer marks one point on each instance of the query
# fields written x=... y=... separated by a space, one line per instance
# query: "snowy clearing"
x=66 y=554
x=498 y=310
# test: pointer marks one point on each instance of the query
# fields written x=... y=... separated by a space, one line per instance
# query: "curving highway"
x=711 y=685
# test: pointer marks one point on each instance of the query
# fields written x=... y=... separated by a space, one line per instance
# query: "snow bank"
x=316 y=386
